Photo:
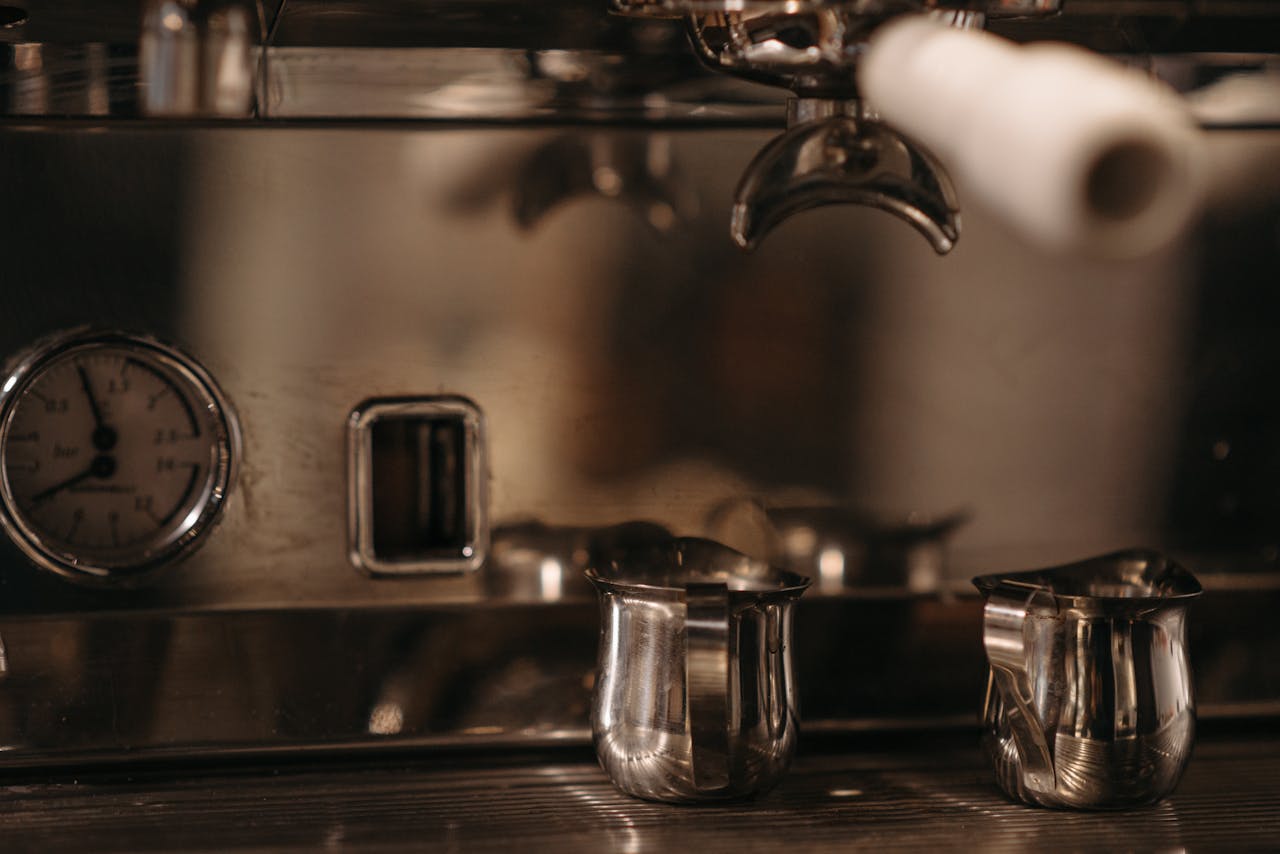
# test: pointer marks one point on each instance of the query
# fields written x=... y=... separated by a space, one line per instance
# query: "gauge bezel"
x=215 y=411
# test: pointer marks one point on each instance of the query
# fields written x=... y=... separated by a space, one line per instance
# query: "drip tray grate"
x=918 y=798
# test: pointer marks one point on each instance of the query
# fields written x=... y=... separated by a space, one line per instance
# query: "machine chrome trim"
x=360 y=485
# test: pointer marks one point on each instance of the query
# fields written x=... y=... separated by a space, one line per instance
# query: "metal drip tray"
x=926 y=794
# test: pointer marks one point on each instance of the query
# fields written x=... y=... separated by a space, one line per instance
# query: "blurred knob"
x=169 y=60
x=1077 y=152
x=196 y=59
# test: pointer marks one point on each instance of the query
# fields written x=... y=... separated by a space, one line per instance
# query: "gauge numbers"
x=115 y=454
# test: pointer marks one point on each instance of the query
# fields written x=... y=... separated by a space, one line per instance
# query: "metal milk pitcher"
x=1090 y=701
x=695 y=693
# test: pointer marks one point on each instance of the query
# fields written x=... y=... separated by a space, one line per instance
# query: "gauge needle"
x=88 y=392
x=104 y=438
x=101 y=467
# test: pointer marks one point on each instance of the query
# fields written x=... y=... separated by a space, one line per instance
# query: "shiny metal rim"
x=791 y=584
x=27 y=366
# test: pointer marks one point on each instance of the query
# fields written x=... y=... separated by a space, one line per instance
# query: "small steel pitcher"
x=1089 y=702
x=695 y=694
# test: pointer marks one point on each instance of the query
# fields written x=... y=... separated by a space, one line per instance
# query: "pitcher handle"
x=707 y=669
x=1003 y=620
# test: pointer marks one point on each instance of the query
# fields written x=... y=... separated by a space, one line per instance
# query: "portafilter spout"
x=1075 y=151
x=835 y=149
x=836 y=152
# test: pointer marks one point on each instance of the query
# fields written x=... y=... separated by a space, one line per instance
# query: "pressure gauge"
x=116 y=455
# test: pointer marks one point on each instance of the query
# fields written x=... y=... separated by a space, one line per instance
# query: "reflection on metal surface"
x=846 y=551
x=12 y=16
x=228 y=71
x=533 y=562
x=632 y=374
x=197 y=58
x=1241 y=98
x=493 y=60
x=636 y=170
x=92 y=79
x=488 y=83
x=386 y=719
x=169 y=59
x=1090 y=702
x=695 y=695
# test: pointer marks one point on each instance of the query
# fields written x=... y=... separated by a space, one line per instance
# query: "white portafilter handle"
x=1077 y=152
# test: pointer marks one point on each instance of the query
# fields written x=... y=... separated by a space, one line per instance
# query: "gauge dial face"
x=116 y=454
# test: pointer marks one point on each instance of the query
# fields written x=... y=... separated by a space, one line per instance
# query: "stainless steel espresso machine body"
x=343 y=337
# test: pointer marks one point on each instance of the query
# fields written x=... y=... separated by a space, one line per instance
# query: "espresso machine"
x=343 y=337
